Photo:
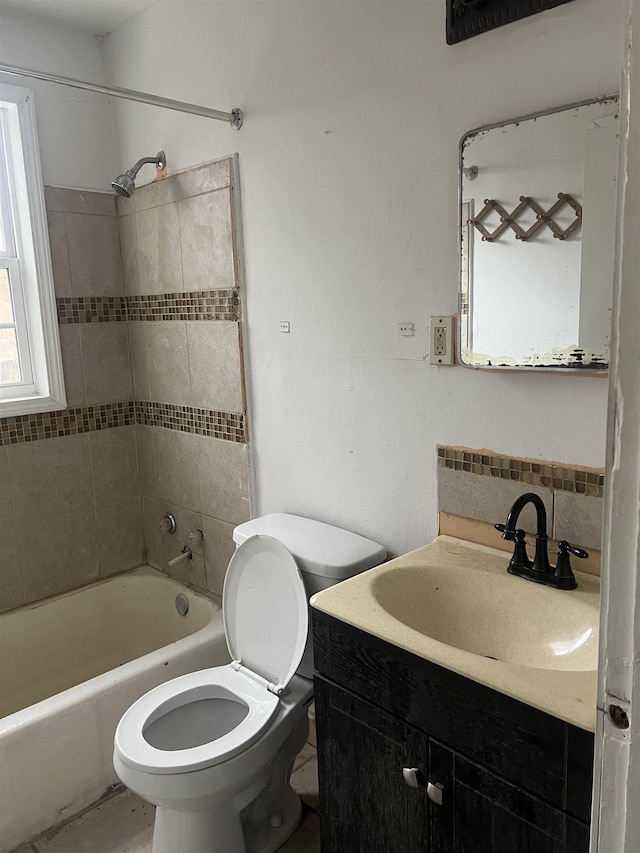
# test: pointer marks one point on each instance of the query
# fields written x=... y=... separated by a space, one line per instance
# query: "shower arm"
x=234 y=118
x=157 y=161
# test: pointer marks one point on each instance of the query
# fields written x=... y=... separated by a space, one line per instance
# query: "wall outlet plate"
x=441 y=340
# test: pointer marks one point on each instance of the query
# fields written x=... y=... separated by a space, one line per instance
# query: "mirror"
x=537 y=223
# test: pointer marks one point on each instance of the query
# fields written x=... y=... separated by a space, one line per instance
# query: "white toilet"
x=213 y=750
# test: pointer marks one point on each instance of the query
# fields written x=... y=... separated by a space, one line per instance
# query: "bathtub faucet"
x=185 y=554
x=192 y=541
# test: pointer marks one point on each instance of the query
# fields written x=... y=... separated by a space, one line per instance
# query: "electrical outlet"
x=405 y=329
x=441 y=340
x=284 y=326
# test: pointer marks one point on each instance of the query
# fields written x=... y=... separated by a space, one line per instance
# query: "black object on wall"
x=467 y=18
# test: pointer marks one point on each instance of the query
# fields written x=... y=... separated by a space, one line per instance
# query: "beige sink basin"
x=493 y=615
x=453 y=603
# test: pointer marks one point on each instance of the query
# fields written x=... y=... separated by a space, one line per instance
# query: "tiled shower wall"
x=149 y=325
x=69 y=494
x=179 y=251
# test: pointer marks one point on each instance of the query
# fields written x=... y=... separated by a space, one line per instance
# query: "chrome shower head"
x=125 y=184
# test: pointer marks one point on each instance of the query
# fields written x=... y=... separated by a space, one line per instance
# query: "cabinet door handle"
x=434 y=792
x=413 y=777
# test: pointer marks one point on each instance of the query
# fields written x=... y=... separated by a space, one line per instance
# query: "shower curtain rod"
x=235 y=117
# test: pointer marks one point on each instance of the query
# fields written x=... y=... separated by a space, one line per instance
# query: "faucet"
x=540 y=570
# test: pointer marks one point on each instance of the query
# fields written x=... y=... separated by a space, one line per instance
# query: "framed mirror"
x=537 y=231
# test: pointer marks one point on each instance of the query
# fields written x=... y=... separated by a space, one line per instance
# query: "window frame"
x=32 y=285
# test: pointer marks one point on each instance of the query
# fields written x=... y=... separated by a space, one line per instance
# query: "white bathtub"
x=69 y=668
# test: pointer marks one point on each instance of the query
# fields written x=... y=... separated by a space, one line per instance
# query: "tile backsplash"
x=482 y=485
x=586 y=481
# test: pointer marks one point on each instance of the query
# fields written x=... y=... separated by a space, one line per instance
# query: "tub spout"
x=185 y=555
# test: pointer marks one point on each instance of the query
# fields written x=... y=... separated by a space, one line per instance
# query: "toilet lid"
x=265 y=609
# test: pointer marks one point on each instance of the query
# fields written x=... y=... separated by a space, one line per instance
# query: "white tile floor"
x=124 y=824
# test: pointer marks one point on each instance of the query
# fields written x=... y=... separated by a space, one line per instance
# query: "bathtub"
x=69 y=668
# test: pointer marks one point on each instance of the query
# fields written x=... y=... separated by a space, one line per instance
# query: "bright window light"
x=31 y=378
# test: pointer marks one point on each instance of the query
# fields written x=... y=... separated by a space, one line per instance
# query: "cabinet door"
x=485 y=814
x=365 y=804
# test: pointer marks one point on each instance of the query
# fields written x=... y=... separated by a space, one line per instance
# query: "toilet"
x=213 y=750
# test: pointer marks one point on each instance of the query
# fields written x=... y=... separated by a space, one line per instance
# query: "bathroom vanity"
x=416 y=755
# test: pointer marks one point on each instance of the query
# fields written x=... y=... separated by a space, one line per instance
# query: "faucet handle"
x=510 y=535
x=563 y=573
x=565 y=548
x=516 y=536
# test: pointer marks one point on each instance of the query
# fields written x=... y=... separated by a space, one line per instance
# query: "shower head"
x=125 y=184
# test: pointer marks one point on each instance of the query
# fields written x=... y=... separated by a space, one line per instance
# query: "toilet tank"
x=324 y=554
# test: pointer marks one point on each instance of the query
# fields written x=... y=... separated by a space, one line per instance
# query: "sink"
x=453 y=603
x=493 y=615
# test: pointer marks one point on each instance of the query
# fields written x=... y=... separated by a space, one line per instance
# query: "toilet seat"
x=266 y=620
x=222 y=682
x=265 y=610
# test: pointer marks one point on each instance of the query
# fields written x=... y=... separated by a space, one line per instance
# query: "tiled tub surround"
x=71 y=512
x=181 y=274
x=481 y=486
x=69 y=487
x=107 y=644
x=73 y=484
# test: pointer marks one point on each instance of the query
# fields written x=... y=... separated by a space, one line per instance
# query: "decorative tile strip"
x=194 y=305
x=20 y=430
x=586 y=481
x=226 y=425
x=91 y=309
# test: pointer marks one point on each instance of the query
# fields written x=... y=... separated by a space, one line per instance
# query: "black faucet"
x=540 y=570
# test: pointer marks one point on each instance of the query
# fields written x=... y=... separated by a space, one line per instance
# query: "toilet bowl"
x=213 y=750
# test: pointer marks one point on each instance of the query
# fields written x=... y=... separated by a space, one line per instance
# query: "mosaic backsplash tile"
x=229 y=426
x=91 y=309
x=195 y=305
x=586 y=481
x=26 y=428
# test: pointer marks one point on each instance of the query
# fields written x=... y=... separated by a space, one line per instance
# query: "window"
x=31 y=378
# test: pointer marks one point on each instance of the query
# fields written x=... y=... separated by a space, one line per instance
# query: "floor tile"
x=305 y=782
x=121 y=825
x=306 y=753
x=307 y=837
x=124 y=824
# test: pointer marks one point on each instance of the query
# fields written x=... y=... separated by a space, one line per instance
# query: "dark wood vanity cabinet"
x=514 y=780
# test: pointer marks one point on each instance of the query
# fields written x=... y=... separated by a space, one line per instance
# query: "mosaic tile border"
x=25 y=428
x=585 y=481
x=91 y=309
x=229 y=426
x=192 y=305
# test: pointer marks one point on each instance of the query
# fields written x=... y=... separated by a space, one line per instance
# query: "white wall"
x=348 y=164
x=76 y=129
